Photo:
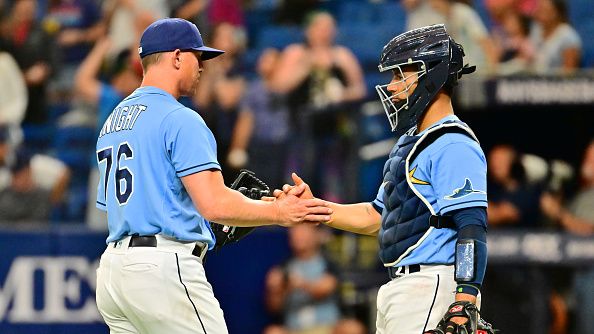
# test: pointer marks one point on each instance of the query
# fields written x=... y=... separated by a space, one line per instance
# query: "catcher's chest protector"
x=405 y=219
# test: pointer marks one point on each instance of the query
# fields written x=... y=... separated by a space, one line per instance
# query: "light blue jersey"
x=451 y=174
x=146 y=145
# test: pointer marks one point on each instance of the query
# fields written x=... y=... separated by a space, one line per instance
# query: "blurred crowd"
x=292 y=69
x=285 y=96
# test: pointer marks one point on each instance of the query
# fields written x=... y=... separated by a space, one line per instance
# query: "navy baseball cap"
x=174 y=33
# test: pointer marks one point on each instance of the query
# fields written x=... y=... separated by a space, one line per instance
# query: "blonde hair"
x=150 y=60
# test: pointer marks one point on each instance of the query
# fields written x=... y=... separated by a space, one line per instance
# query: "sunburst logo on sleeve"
x=414 y=180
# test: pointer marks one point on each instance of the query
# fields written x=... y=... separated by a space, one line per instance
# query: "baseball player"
x=430 y=211
x=161 y=184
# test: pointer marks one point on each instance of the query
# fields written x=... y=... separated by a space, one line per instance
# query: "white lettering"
x=63 y=278
x=545 y=91
x=131 y=113
x=107 y=126
x=141 y=108
x=503 y=246
x=580 y=249
x=542 y=247
x=114 y=120
x=122 y=117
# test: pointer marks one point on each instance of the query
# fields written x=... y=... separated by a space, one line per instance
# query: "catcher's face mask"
x=395 y=96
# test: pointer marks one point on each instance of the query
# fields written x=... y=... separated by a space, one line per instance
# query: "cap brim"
x=209 y=53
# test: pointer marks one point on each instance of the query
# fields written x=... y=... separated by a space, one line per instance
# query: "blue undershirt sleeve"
x=472 y=226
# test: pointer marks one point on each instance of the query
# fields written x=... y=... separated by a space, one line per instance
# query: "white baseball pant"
x=156 y=290
x=416 y=302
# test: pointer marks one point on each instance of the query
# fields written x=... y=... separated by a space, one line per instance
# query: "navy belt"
x=396 y=272
x=151 y=241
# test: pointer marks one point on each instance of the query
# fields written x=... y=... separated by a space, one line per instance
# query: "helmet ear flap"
x=456 y=57
x=457 y=67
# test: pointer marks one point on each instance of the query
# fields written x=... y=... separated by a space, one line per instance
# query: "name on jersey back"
x=122 y=118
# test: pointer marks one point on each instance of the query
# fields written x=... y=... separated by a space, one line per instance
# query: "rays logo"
x=465 y=190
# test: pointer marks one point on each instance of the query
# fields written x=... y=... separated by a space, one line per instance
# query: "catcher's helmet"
x=439 y=63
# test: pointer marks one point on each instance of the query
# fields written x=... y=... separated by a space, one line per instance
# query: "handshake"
x=296 y=202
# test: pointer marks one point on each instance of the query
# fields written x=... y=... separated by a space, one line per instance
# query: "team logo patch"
x=465 y=190
x=414 y=180
x=456 y=308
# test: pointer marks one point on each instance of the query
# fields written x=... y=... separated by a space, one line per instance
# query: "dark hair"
x=525 y=23
x=561 y=7
x=121 y=62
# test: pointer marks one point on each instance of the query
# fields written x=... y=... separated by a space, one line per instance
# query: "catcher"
x=430 y=212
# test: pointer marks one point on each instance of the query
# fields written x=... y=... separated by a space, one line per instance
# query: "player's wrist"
x=277 y=213
x=466 y=297
x=467 y=289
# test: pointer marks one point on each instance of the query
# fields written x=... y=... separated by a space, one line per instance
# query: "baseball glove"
x=466 y=310
x=250 y=186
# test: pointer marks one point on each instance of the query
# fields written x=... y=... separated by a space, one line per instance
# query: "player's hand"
x=302 y=192
x=461 y=318
x=298 y=182
x=294 y=210
x=463 y=297
x=459 y=321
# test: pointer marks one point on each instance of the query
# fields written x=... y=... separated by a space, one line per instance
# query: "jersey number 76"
x=124 y=179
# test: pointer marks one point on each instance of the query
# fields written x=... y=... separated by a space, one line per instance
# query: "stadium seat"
x=365 y=40
x=55 y=110
x=391 y=15
x=586 y=29
x=75 y=146
x=255 y=20
x=76 y=203
x=74 y=137
x=278 y=36
x=580 y=11
x=38 y=137
x=356 y=11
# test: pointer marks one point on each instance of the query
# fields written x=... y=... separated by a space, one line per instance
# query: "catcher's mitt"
x=250 y=186
x=466 y=310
